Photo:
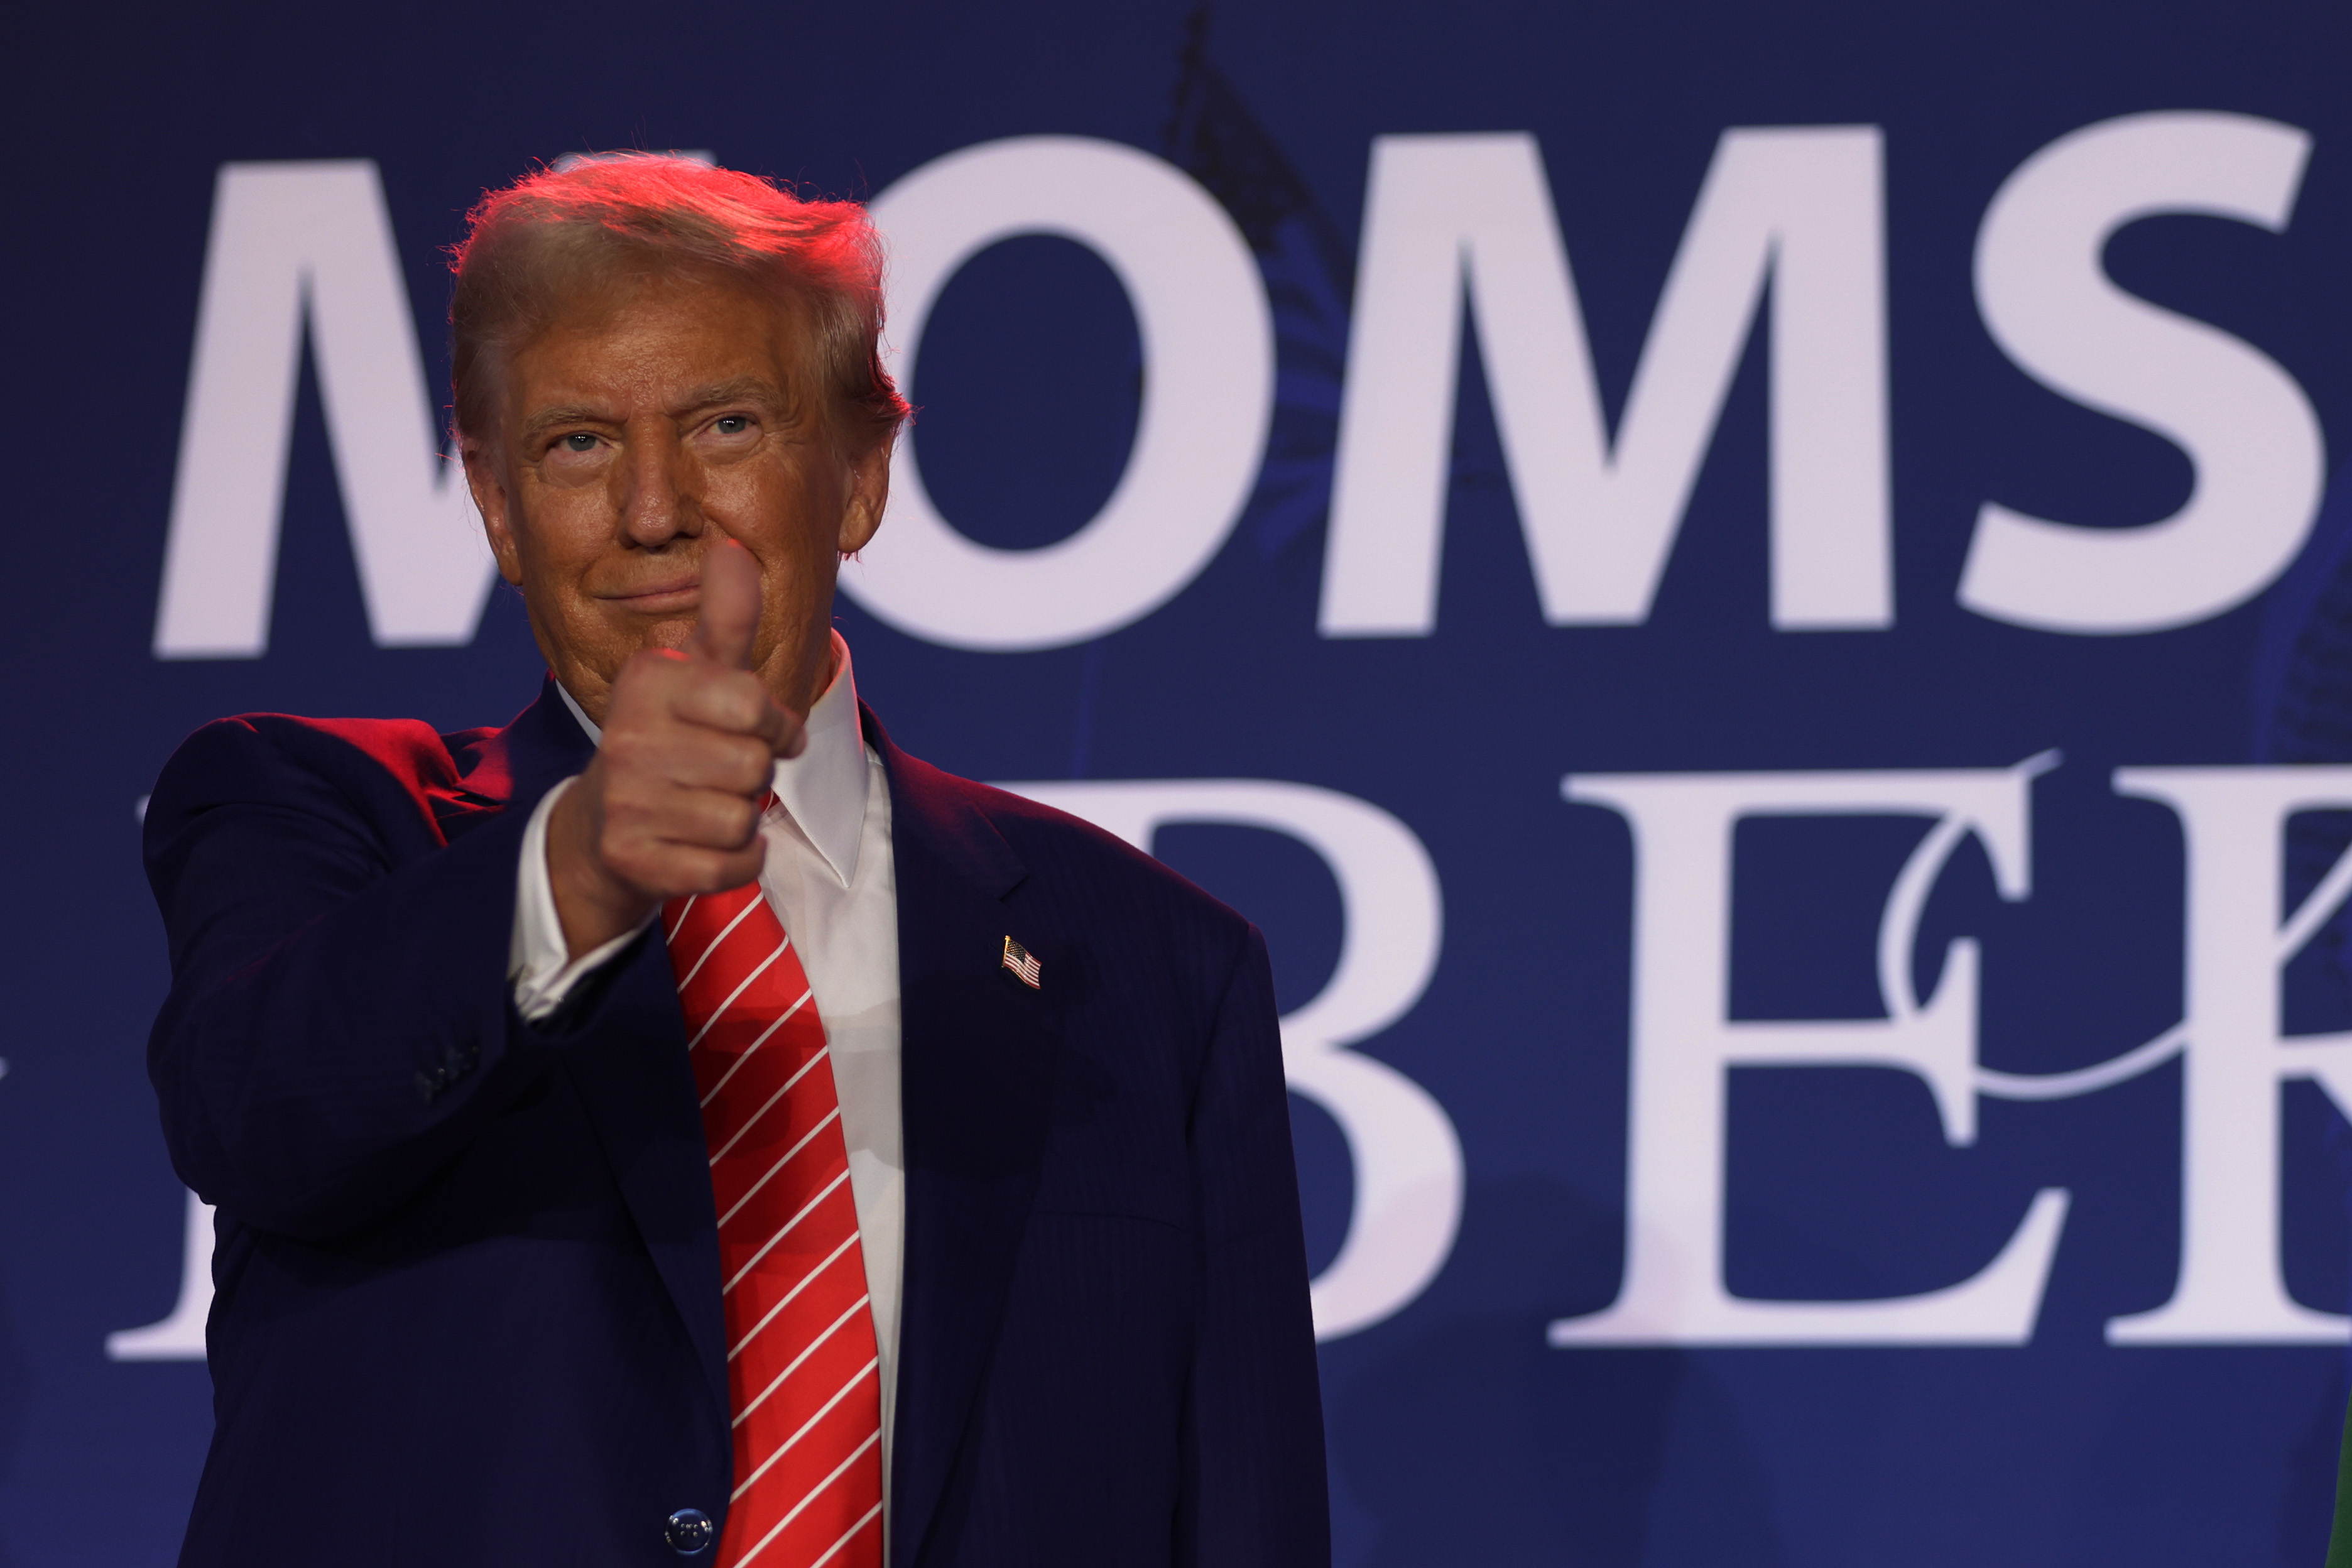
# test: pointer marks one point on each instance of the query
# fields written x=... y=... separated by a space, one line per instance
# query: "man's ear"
x=491 y=499
x=870 y=495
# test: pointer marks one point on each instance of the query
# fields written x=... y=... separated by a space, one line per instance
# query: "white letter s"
x=2246 y=426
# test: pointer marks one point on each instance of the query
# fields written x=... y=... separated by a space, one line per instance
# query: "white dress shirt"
x=830 y=877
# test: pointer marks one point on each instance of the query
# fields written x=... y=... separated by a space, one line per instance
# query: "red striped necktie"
x=802 y=1374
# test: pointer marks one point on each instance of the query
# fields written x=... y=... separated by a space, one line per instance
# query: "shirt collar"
x=823 y=788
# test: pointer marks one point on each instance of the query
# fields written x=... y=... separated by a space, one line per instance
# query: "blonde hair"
x=543 y=241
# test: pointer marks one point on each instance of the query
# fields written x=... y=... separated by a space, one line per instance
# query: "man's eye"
x=578 y=441
x=732 y=424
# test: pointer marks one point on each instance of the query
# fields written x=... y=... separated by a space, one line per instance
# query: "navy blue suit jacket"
x=468 y=1292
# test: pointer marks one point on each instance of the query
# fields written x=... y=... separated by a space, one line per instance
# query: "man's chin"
x=671 y=632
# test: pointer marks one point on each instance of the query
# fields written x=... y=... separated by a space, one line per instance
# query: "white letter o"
x=1208 y=392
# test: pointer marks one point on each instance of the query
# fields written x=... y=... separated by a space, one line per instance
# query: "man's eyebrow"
x=741 y=389
x=563 y=414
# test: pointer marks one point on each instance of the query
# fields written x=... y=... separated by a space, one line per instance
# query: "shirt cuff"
x=538 y=961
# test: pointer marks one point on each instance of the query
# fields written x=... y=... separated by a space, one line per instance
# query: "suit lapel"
x=516 y=765
x=977 y=1051
x=629 y=1070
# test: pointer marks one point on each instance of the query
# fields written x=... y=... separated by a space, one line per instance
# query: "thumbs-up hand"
x=730 y=616
x=671 y=804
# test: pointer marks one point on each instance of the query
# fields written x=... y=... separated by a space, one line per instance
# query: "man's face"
x=638 y=428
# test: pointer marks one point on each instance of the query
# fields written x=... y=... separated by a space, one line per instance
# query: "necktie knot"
x=696 y=921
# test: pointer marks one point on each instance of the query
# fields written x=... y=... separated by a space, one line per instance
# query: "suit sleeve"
x=1253 y=1493
x=339 y=1022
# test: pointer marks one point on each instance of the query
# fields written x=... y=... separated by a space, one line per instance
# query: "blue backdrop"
x=1699 y=972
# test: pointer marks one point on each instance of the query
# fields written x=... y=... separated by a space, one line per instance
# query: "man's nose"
x=659 y=502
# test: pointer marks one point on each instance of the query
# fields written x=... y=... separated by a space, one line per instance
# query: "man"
x=681 y=1125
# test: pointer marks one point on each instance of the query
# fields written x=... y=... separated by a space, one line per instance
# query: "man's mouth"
x=664 y=597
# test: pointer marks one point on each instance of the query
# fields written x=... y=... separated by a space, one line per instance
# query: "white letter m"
x=294 y=243
x=1797 y=206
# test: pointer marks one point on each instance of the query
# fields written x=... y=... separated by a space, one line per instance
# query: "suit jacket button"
x=690 y=1531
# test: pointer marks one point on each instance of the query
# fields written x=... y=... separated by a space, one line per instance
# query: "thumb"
x=730 y=607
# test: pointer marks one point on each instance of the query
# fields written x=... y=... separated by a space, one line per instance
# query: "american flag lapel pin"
x=1023 y=964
